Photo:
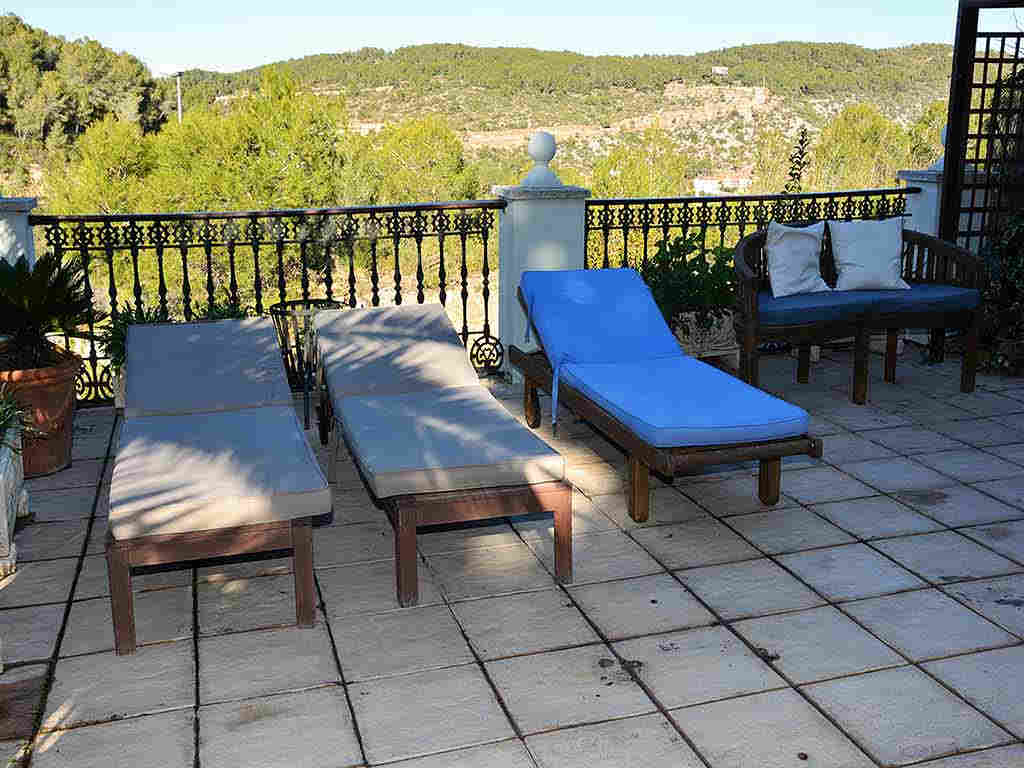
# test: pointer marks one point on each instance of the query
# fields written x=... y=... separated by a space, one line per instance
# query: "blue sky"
x=228 y=35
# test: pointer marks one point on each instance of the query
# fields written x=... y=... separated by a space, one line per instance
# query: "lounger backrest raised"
x=203 y=367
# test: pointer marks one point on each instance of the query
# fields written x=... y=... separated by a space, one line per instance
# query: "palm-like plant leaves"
x=52 y=296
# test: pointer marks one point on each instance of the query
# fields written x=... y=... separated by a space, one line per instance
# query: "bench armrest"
x=930 y=259
x=748 y=282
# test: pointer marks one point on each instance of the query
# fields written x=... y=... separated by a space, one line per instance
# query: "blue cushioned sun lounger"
x=610 y=357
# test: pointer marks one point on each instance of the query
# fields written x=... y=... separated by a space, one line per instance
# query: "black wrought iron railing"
x=624 y=232
x=193 y=265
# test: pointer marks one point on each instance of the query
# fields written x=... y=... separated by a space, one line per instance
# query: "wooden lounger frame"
x=644 y=457
x=125 y=554
x=408 y=512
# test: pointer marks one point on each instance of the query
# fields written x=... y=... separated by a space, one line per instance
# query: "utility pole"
x=177 y=76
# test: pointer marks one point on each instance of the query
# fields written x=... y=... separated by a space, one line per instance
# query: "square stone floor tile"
x=770 y=728
x=851 y=447
x=733 y=495
x=820 y=484
x=504 y=754
x=959 y=505
x=596 y=479
x=587 y=517
x=981 y=403
x=368 y=588
x=484 y=572
x=66 y=505
x=46 y=541
x=45 y=581
x=527 y=623
x=13 y=751
x=22 y=691
x=79 y=474
x=999 y=757
x=640 y=606
x=648 y=741
x=667 y=505
x=911 y=440
x=927 y=624
x=602 y=556
x=817 y=644
x=980 y=432
x=693 y=544
x=309 y=729
x=969 y=465
x=354 y=543
x=353 y=506
x=789 y=530
x=1001 y=600
x=898 y=474
x=248 y=664
x=243 y=604
x=104 y=686
x=1010 y=490
x=166 y=740
x=489 y=535
x=1005 y=538
x=160 y=616
x=946 y=556
x=98 y=538
x=579 y=685
x=398 y=642
x=697 y=666
x=903 y=716
x=93 y=580
x=860 y=417
x=992 y=681
x=1014 y=453
x=427 y=712
x=850 y=572
x=751 y=588
x=30 y=633
x=876 y=516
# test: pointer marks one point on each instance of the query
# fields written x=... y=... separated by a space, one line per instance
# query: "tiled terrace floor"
x=874 y=617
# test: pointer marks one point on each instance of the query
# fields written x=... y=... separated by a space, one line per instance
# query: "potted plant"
x=114 y=335
x=694 y=291
x=52 y=296
x=13 y=496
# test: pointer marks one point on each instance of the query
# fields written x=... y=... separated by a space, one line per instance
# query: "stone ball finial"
x=542 y=149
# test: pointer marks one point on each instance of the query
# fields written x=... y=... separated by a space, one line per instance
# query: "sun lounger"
x=211 y=461
x=430 y=441
x=617 y=365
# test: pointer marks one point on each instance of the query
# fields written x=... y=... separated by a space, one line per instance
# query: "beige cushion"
x=201 y=367
x=174 y=474
x=868 y=254
x=443 y=440
x=387 y=351
x=794 y=259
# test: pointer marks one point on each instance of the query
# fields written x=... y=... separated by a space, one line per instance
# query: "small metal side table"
x=294 y=323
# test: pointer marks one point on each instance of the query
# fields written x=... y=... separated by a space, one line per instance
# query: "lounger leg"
x=405 y=557
x=769 y=481
x=531 y=404
x=861 y=351
x=563 y=535
x=891 y=345
x=639 y=486
x=121 y=607
x=803 y=364
x=302 y=554
x=969 y=365
x=936 y=345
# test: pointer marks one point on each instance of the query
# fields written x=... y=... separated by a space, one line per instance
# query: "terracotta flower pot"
x=48 y=394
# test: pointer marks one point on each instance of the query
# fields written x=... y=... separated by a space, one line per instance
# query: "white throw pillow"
x=868 y=254
x=794 y=259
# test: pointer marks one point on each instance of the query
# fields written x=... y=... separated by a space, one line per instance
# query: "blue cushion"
x=595 y=315
x=926 y=297
x=809 y=308
x=680 y=401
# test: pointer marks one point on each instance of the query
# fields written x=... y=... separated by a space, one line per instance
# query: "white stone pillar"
x=924 y=206
x=542 y=227
x=15 y=233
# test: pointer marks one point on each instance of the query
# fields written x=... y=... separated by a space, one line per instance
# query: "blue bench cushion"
x=812 y=308
x=595 y=316
x=927 y=297
x=680 y=401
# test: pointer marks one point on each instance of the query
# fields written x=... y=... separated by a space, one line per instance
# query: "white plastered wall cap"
x=542 y=148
